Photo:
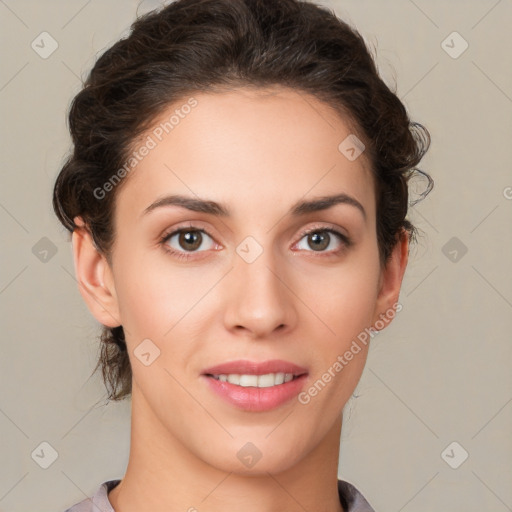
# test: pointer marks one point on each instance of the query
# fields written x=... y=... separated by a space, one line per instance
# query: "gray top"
x=350 y=498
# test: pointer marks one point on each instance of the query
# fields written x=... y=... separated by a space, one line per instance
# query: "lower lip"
x=257 y=399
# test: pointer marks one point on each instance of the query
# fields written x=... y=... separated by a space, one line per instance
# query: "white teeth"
x=260 y=381
x=233 y=379
x=266 y=381
x=279 y=378
x=248 y=380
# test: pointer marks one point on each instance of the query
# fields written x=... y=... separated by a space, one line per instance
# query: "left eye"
x=322 y=239
x=189 y=240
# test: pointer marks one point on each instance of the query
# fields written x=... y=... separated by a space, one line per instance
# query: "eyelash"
x=316 y=229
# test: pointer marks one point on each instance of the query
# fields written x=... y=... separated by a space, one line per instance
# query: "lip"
x=255 y=368
x=256 y=399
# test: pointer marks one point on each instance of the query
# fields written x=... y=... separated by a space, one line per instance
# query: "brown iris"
x=190 y=240
x=318 y=241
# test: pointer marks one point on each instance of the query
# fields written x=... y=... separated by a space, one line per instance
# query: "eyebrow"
x=301 y=207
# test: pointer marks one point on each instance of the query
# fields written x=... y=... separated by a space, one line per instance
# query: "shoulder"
x=351 y=499
x=99 y=500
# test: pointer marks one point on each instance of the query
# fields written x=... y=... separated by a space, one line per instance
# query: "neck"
x=163 y=474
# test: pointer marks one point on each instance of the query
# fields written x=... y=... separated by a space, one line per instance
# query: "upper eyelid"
x=192 y=227
x=328 y=227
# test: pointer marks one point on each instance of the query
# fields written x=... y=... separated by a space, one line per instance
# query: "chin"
x=249 y=460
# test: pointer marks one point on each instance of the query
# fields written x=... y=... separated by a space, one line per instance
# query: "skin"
x=257 y=152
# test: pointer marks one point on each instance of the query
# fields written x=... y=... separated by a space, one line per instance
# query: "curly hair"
x=213 y=46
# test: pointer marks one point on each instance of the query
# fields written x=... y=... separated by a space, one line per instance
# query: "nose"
x=259 y=301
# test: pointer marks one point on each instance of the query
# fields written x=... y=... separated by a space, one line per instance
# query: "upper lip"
x=245 y=367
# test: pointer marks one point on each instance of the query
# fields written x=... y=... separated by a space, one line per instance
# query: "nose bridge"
x=258 y=300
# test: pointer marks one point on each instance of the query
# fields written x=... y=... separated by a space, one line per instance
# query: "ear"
x=390 y=283
x=94 y=276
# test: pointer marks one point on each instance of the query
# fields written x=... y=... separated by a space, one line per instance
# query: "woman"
x=237 y=198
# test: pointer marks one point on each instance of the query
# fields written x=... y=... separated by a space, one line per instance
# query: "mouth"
x=254 y=386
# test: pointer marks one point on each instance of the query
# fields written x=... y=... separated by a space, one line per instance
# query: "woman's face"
x=244 y=281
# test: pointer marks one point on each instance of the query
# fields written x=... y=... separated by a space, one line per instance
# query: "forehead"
x=249 y=147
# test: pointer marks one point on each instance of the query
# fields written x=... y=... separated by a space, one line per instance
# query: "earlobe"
x=94 y=276
x=390 y=283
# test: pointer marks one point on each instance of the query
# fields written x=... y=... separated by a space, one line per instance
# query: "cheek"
x=353 y=301
x=345 y=297
x=152 y=295
x=343 y=303
x=339 y=354
x=153 y=306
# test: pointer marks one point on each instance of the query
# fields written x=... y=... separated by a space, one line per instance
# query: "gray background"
x=439 y=374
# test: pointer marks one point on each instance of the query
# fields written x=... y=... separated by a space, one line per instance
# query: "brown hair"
x=214 y=45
